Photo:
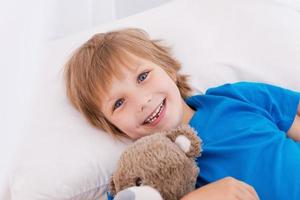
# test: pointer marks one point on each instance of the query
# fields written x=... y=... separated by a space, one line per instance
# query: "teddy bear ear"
x=187 y=139
x=112 y=187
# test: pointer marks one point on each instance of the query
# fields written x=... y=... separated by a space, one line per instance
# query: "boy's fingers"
x=244 y=194
x=250 y=190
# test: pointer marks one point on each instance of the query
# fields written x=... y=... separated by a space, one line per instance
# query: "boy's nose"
x=145 y=104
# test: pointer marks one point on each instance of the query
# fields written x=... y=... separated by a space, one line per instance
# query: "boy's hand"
x=226 y=189
x=294 y=131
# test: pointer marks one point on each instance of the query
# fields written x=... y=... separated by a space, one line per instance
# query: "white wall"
x=20 y=51
x=64 y=17
x=128 y=7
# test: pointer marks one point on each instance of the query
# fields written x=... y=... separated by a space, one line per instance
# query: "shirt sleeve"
x=280 y=103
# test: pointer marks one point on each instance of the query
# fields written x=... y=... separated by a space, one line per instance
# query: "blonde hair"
x=89 y=70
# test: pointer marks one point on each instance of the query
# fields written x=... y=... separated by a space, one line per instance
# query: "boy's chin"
x=162 y=127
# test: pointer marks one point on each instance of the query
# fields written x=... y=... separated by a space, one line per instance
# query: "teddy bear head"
x=164 y=161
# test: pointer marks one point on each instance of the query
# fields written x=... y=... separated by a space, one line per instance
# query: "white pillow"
x=217 y=41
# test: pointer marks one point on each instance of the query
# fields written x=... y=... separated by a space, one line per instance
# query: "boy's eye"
x=142 y=76
x=118 y=103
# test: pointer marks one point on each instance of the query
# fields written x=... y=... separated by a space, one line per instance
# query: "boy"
x=127 y=84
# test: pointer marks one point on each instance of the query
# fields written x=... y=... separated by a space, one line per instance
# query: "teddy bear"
x=160 y=166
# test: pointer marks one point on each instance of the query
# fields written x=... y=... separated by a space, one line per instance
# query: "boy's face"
x=145 y=100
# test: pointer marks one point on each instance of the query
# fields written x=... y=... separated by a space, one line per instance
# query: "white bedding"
x=217 y=41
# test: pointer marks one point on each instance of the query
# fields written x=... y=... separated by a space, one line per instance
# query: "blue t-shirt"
x=243 y=127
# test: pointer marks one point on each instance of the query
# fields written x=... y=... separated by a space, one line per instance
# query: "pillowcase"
x=217 y=41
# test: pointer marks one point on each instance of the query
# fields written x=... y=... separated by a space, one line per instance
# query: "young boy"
x=127 y=84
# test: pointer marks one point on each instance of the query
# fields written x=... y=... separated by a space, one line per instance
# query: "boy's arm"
x=294 y=131
x=226 y=188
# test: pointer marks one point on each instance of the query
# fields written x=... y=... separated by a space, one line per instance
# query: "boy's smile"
x=144 y=100
x=155 y=117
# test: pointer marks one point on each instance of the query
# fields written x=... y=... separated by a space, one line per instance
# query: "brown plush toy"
x=158 y=166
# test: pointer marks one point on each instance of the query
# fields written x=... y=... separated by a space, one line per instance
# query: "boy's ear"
x=112 y=187
x=186 y=138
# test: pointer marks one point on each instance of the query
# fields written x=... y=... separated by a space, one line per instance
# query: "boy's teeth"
x=156 y=112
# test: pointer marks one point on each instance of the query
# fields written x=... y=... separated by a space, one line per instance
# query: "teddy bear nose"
x=138 y=181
